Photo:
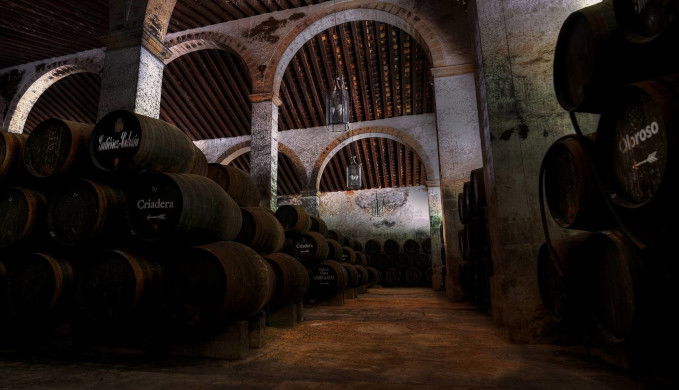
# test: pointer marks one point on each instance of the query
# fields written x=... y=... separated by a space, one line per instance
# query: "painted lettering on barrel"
x=629 y=142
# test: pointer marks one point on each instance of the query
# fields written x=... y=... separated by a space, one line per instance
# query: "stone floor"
x=389 y=338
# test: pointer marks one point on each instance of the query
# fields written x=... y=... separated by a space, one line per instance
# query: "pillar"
x=435 y=225
x=264 y=154
x=311 y=202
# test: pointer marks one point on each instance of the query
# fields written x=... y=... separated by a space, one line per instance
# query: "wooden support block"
x=350 y=293
x=257 y=327
x=231 y=343
x=336 y=300
x=300 y=311
x=283 y=317
x=363 y=289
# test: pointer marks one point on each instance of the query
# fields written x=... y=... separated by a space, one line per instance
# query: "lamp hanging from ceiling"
x=337 y=98
x=354 y=174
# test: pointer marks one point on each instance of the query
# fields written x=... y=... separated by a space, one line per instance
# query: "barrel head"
x=116 y=139
x=155 y=205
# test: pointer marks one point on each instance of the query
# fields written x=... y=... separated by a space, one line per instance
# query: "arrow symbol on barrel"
x=649 y=160
x=150 y=217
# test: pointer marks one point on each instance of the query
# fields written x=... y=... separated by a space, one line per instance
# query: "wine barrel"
x=373 y=276
x=22 y=212
x=334 y=250
x=222 y=279
x=373 y=247
x=379 y=261
x=237 y=183
x=348 y=255
x=182 y=207
x=57 y=146
x=353 y=279
x=318 y=225
x=636 y=139
x=327 y=279
x=392 y=247
x=477 y=192
x=412 y=276
x=411 y=246
x=426 y=245
x=364 y=276
x=571 y=191
x=199 y=165
x=462 y=210
x=477 y=243
x=402 y=261
x=428 y=276
x=86 y=211
x=335 y=235
x=261 y=230
x=12 y=148
x=117 y=286
x=392 y=277
x=644 y=21
x=293 y=218
x=361 y=259
x=292 y=279
x=308 y=247
x=125 y=141
x=423 y=261
x=41 y=286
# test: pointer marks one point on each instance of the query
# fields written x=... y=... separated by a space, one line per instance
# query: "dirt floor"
x=387 y=339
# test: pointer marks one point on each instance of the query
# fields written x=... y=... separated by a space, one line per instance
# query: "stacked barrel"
x=477 y=266
x=407 y=265
x=124 y=229
x=614 y=189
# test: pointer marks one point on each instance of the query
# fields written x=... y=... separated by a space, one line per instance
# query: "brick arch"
x=371 y=132
x=372 y=10
x=29 y=93
x=235 y=151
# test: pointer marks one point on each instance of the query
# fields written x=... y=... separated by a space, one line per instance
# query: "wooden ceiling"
x=289 y=181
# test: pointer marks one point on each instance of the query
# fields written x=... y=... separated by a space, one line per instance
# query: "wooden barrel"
x=477 y=192
x=392 y=277
x=373 y=247
x=335 y=235
x=22 y=212
x=392 y=247
x=5 y=305
x=334 y=250
x=125 y=141
x=41 y=286
x=86 y=211
x=237 y=183
x=477 y=243
x=57 y=146
x=411 y=246
x=353 y=279
x=426 y=245
x=379 y=261
x=199 y=165
x=260 y=230
x=644 y=21
x=307 y=247
x=327 y=279
x=11 y=155
x=361 y=259
x=571 y=191
x=422 y=261
x=358 y=246
x=373 y=276
x=636 y=139
x=402 y=261
x=348 y=242
x=462 y=210
x=292 y=279
x=348 y=255
x=293 y=218
x=222 y=279
x=364 y=275
x=428 y=276
x=116 y=286
x=318 y=225
x=182 y=207
x=412 y=276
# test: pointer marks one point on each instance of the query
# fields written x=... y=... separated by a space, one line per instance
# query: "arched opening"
x=290 y=178
x=206 y=94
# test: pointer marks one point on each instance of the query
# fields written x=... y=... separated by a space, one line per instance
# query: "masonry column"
x=435 y=226
x=264 y=154
x=459 y=147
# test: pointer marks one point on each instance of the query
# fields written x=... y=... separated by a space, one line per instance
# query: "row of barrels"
x=408 y=264
x=477 y=266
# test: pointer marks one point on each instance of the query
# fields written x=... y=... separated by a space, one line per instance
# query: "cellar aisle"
x=389 y=338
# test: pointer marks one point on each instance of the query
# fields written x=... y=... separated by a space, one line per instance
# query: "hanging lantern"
x=354 y=175
x=337 y=107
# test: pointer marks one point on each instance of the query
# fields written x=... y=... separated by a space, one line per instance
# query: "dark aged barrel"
x=308 y=247
x=477 y=244
x=5 y=306
x=571 y=191
x=353 y=276
x=462 y=211
x=199 y=165
x=85 y=211
x=222 y=279
x=644 y=20
x=348 y=242
x=411 y=246
x=327 y=279
x=125 y=141
x=56 y=146
x=358 y=246
x=412 y=276
x=11 y=155
x=184 y=207
x=292 y=279
x=401 y=261
x=379 y=261
x=334 y=250
x=236 y=183
x=260 y=230
x=364 y=275
x=361 y=259
x=477 y=191
x=335 y=235
x=373 y=276
x=422 y=261
x=318 y=225
x=42 y=285
x=117 y=285
x=392 y=247
x=428 y=276
x=293 y=218
x=426 y=245
x=348 y=255
x=636 y=144
x=373 y=247
x=22 y=212
x=392 y=277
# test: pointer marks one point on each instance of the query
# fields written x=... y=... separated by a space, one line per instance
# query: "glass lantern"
x=337 y=107
x=354 y=175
